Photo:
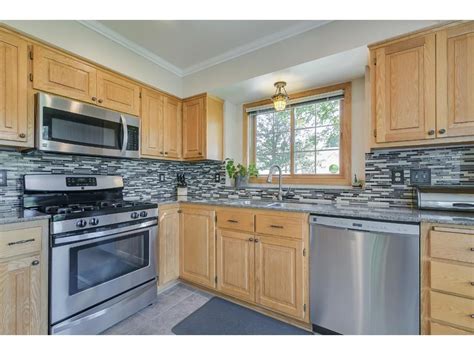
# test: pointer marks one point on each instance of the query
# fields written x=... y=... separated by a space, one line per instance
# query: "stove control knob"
x=94 y=221
x=81 y=223
x=134 y=215
x=143 y=213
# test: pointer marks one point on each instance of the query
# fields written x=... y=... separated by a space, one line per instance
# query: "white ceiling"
x=185 y=47
x=333 y=69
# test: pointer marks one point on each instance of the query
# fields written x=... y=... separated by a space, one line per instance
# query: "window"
x=310 y=140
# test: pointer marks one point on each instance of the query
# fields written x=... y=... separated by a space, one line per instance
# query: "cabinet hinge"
x=215 y=279
x=31 y=55
x=140 y=95
x=304 y=308
x=304 y=251
x=31 y=77
x=375 y=132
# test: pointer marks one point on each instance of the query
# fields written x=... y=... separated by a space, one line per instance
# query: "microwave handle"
x=124 y=134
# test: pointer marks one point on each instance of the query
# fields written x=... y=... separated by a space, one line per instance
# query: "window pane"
x=265 y=162
x=305 y=163
x=327 y=137
x=305 y=116
x=327 y=112
x=327 y=162
x=305 y=139
x=282 y=121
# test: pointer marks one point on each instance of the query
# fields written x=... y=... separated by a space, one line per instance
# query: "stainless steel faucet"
x=269 y=180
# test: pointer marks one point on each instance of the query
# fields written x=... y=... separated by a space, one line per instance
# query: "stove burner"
x=64 y=210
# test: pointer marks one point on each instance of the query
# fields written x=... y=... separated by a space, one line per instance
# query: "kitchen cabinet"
x=15 y=127
x=447 y=267
x=71 y=77
x=197 y=245
x=168 y=244
x=422 y=87
x=161 y=125
x=24 y=278
x=203 y=122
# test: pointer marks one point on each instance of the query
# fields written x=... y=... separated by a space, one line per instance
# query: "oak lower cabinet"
x=447 y=270
x=197 y=245
x=24 y=278
x=168 y=244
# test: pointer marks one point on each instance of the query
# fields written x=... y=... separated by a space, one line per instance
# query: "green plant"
x=240 y=170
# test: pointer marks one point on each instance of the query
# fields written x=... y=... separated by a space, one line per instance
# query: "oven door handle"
x=82 y=239
x=123 y=120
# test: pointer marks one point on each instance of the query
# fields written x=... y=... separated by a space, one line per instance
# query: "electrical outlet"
x=398 y=176
x=217 y=177
x=161 y=177
x=3 y=178
x=420 y=177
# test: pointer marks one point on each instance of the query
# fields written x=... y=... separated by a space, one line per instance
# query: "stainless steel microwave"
x=67 y=126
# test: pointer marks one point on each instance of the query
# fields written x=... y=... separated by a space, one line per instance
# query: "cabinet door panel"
x=172 y=128
x=63 y=75
x=193 y=128
x=455 y=80
x=118 y=94
x=13 y=88
x=20 y=296
x=279 y=273
x=405 y=90
x=197 y=246
x=168 y=246
x=235 y=264
x=152 y=123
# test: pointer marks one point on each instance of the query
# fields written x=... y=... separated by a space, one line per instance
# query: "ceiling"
x=337 y=68
x=185 y=47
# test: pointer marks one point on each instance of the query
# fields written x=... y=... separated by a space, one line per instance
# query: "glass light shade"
x=279 y=102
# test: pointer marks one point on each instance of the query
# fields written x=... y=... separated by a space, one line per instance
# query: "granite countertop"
x=392 y=214
x=20 y=215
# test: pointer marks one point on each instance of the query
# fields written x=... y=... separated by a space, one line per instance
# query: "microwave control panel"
x=133 y=139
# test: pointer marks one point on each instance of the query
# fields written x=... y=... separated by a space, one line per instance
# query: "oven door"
x=68 y=126
x=87 y=273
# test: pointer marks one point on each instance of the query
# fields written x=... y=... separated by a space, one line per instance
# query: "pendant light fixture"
x=280 y=99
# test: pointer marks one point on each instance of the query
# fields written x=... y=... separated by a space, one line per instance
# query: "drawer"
x=452 y=246
x=452 y=309
x=20 y=241
x=452 y=278
x=279 y=225
x=235 y=219
x=441 y=329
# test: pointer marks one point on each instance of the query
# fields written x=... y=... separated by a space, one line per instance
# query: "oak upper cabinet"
x=405 y=90
x=455 y=81
x=172 y=130
x=168 y=244
x=203 y=122
x=71 y=77
x=197 y=245
x=14 y=127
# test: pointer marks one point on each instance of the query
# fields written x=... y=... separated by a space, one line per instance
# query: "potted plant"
x=240 y=173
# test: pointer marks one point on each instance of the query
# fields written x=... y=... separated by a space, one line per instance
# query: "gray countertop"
x=20 y=215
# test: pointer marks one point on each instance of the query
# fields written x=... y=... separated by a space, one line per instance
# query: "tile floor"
x=171 y=307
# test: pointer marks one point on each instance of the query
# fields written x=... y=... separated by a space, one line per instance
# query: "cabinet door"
x=13 y=88
x=117 y=93
x=20 y=296
x=235 y=264
x=279 y=272
x=455 y=81
x=197 y=246
x=152 y=123
x=172 y=132
x=405 y=90
x=168 y=245
x=194 y=128
x=63 y=75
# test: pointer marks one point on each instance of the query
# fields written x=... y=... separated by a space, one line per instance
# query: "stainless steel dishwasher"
x=364 y=276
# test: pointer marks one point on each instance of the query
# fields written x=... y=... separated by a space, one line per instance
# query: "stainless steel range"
x=102 y=250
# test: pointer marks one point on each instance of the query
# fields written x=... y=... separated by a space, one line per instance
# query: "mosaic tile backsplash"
x=448 y=166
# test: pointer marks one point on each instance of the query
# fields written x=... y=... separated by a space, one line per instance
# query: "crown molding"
x=124 y=42
x=221 y=58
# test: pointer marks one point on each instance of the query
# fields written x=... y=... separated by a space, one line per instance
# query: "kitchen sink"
x=290 y=205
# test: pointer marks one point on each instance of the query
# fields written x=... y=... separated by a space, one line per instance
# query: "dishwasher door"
x=364 y=276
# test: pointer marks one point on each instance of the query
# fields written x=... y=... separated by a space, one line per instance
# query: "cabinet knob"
x=166 y=153
x=442 y=131
x=94 y=98
x=35 y=262
x=100 y=101
x=200 y=153
x=22 y=135
x=250 y=239
x=431 y=132
x=161 y=153
x=256 y=240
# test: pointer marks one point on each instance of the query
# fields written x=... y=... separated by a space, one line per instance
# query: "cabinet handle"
x=232 y=221
x=442 y=131
x=275 y=226
x=472 y=283
x=100 y=101
x=250 y=239
x=200 y=153
x=431 y=132
x=35 y=262
x=256 y=240
x=94 y=98
x=471 y=315
x=472 y=249
x=21 y=242
x=22 y=135
x=166 y=153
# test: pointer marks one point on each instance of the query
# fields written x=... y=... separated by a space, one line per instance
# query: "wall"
x=80 y=40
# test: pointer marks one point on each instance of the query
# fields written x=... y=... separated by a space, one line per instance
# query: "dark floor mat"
x=221 y=317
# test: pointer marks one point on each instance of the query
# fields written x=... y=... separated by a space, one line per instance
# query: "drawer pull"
x=21 y=242
x=276 y=226
x=35 y=262
x=232 y=221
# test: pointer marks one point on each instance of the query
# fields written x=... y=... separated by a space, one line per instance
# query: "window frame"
x=345 y=143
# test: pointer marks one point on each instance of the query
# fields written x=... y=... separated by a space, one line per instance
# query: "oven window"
x=96 y=263
x=72 y=128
